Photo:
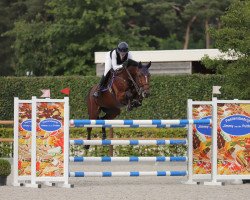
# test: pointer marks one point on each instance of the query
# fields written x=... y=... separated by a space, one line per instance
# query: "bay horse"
x=126 y=86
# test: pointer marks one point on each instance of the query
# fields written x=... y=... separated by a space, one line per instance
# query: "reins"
x=134 y=83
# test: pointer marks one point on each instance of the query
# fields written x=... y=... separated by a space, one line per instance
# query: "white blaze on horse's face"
x=144 y=80
x=145 y=92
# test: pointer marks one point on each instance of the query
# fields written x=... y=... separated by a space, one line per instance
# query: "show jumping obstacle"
x=51 y=129
x=133 y=124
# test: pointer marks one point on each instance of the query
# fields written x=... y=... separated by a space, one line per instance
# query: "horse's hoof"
x=129 y=108
x=87 y=147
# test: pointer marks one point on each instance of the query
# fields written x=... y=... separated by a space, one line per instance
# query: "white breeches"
x=108 y=64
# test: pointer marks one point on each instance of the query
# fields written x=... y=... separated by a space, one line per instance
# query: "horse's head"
x=143 y=78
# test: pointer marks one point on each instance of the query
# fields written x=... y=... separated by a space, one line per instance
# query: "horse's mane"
x=132 y=63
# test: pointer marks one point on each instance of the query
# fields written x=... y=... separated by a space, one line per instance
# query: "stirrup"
x=96 y=94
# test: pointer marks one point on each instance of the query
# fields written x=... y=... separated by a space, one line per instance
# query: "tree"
x=11 y=11
x=163 y=21
x=4 y=41
x=7 y=14
x=234 y=39
x=203 y=11
x=65 y=43
x=59 y=37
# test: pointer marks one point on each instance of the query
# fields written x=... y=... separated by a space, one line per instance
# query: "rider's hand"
x=125 y=64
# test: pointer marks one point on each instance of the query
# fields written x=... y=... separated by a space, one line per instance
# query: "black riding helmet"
x=122 y=47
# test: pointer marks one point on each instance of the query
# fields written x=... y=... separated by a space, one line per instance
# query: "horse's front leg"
x=129 y=98
x=136 y=103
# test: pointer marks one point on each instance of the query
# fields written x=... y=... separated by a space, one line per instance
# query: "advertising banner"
x=24 y=139
x=233 y=139
x=201 y=140
x=49 y=139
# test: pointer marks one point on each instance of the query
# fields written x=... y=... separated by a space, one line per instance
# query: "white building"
x=169 y=62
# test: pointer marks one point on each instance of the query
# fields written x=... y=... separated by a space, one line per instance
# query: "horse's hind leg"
x=93 y=111
x=111 y=114
x=89 y=129
x=104 y=136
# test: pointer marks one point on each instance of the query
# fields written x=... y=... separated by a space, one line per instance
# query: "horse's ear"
x=140 y=65
x=149 y=64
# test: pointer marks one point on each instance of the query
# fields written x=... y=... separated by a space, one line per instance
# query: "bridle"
x=139 y=89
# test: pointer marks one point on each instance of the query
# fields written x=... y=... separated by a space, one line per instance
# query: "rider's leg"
x=101 y=85
x=106 y=70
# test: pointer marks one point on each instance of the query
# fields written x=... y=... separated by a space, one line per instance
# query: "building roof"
x=169 y=55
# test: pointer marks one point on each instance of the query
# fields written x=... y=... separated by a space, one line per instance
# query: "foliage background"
x=59 y=37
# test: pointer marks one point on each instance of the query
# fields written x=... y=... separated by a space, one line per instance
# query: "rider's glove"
x=125 y=64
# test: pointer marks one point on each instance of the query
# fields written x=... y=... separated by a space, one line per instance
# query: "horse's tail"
x=89 y=93
x=89 y=97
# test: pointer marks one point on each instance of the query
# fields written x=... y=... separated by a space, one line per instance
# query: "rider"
x=116 y=59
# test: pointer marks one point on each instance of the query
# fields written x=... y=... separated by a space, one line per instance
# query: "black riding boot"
x=101 y=84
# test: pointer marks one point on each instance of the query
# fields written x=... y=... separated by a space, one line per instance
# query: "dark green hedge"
x=168 y=98
x=6 y=148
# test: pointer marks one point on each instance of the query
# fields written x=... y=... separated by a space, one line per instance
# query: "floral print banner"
x=24 y=139
x=233 y=139
x=50 y=139
x=202 y=140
